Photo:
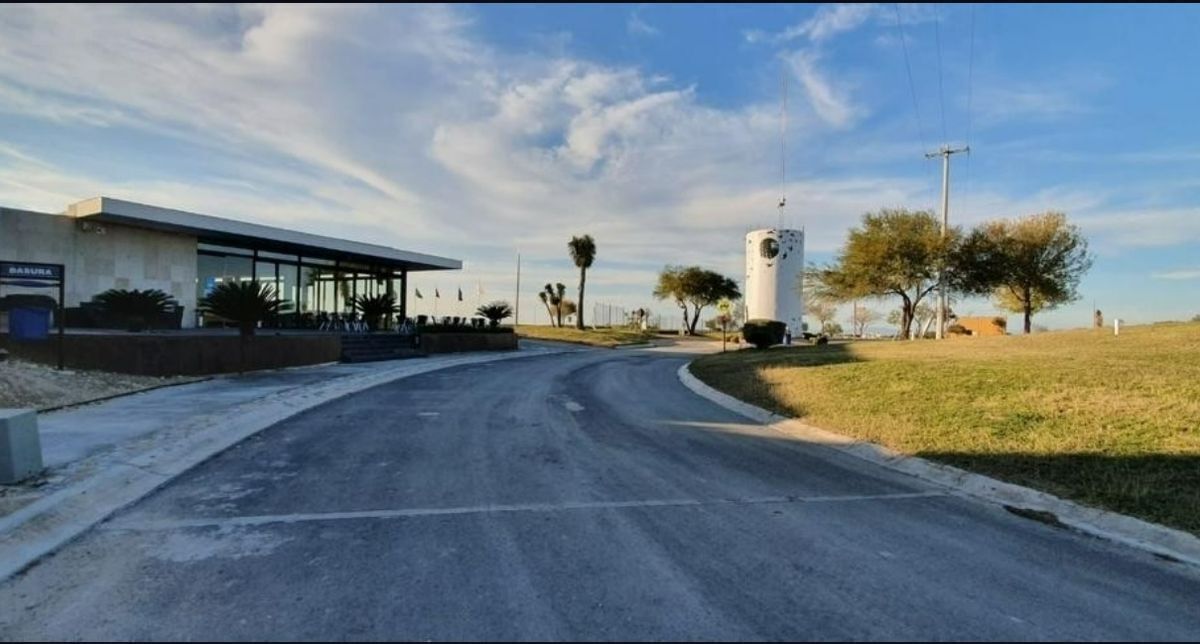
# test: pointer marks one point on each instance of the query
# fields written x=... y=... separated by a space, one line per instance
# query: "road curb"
x=49 y=523
x=1157 y=539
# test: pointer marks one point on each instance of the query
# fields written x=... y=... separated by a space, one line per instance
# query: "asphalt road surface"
x=586 y=495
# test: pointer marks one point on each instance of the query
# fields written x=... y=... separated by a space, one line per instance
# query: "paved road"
x=578 y=496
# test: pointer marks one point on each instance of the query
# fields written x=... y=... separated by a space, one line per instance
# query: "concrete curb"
x=47 y=524
x=1151 y=537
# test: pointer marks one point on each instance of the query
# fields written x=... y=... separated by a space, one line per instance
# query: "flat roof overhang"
x=216 y=230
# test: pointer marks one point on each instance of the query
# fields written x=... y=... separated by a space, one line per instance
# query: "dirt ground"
x=34 y=386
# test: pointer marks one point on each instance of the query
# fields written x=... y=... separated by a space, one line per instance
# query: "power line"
x=912 y=86
x=937 y=38
x=970 y=93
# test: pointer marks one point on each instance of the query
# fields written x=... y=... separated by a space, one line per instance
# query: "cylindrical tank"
x=774 y=270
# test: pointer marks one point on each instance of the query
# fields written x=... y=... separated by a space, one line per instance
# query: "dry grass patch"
x=592 y=337
x=1108 y=421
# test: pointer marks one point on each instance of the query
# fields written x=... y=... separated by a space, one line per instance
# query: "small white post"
x=1116 y=326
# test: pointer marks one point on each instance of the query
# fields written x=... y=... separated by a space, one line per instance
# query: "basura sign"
x=28 y=271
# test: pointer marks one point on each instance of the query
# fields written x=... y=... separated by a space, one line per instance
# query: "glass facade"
x=311 y=290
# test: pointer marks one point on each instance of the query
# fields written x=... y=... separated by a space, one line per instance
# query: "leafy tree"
x=894 y=252
x=1033 y=263
x=1196 y=318
x=695 y=287
x=823 y=311
x=566 y=308
x=670 y=285
x=374 y=308
x=583 y=253
x=244 y=303
x=134 y=308
x=861 y=317
x=495 y=312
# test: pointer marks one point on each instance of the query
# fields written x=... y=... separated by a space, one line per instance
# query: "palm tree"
x=495 y=312
x=553 y=297
x=375 y=308
x=583 y=253
x=136 y=309
x=545 y=298
x=560 y=296
x=244 y=303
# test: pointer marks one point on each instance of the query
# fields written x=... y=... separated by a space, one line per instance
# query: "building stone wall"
x=102 y=256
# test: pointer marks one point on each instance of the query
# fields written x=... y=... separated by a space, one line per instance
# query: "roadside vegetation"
x=1110 y=421
x=595 y=337
x=1028 y=265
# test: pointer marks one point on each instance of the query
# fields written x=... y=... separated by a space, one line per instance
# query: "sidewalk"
x=104 y=456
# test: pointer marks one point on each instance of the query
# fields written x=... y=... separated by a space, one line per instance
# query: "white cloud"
x=401 y=125
x=830 y=100
x=1185 y=274
x=828 y=21
x=637 y=26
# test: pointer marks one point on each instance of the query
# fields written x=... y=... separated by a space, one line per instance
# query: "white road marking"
x=429 y=414
x=573 y=406
x=228 y=522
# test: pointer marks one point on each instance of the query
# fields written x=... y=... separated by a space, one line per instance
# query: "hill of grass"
x=1108 y=421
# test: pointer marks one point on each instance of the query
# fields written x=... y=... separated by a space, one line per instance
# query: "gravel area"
x=36 y=386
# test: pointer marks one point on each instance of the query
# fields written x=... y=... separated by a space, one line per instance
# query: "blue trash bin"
x=28 y=324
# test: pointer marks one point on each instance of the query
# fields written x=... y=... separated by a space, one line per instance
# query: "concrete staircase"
x=371 y=347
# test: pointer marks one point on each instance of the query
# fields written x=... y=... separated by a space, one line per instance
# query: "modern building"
x=106 y=243
x=774 y=269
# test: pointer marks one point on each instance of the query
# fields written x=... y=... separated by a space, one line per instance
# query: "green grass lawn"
x=593 y=337
x=1108 y=421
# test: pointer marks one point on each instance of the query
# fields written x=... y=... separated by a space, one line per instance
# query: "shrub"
x=763 y=333
x=958 y=329
x=134 y=308
x=821 y=340
x=375 y=308
x=244 y=303
x=495 y=312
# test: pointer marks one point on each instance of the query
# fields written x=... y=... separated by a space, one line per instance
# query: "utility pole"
x=945 y=151
x=517 y=308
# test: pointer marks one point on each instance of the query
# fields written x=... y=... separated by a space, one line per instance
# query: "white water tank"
x=774 y=269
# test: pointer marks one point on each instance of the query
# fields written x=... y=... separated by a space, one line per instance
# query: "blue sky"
x=482 y=131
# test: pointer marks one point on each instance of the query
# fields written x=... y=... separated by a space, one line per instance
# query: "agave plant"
x=495 y=311
x=133 y=307
x=375 y=307
x=244 y=303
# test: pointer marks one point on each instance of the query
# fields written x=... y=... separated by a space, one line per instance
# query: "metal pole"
x=517 y=309
x=942 y=301
x=62 y=308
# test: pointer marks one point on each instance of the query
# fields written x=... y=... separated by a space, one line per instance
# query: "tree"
x=552 y=297
x=375 y=308
x=1033 y=263
x=243 y=303
x=546 y=295
x=695 y=287
x=583 y=253
x=823 y=312
x=670 y=285
x=134 y=308
x=894 y=252
x=566 y=308
x=495 y=312
x=860 y=318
